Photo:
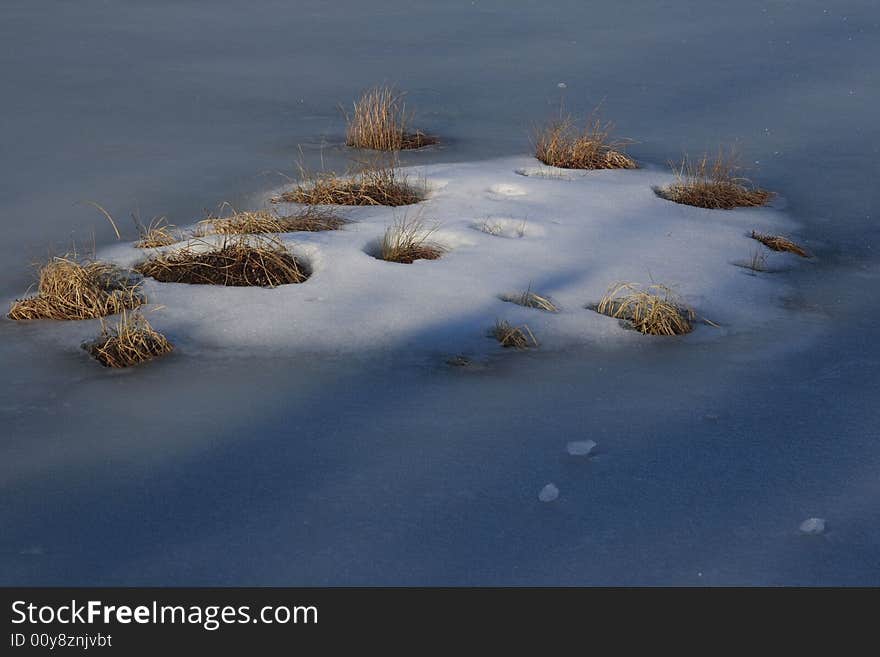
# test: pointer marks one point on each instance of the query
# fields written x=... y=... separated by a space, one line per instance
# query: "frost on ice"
x=813 y=526
x=580 y=447
x=549 y=493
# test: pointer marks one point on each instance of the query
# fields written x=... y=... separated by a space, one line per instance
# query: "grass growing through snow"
x=310 y=219
x=158 y=233
x=381 y=122
x=531 y=299
x=237 y=261
x=561 y=143
x=130 y=342
x=654 y=310
x=713 y=183
x=757 y=262
x=378 y=183
x=779 y=243
x=516 y=337
x=72 y=289
x=408 y=240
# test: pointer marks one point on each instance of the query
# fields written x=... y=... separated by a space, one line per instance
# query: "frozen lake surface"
x=218 y=466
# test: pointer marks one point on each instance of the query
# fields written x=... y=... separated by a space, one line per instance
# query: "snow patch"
x=547 y=173
x=580 y=447
x=813 y=526
x=569 y=241
x=506 y=190
x=508 y=227
x=549 y=493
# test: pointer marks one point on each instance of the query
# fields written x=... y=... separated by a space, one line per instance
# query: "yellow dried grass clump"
x=562 y=144
x=239 y=261
x=516 y=337
x=378 y=183
x=654 y=310
x=309 y=219
x=779 y=243
x=408 y=240
x=713 y=183
x=531 y=299
x=380 y=122
x=130 y=342
x=158 y=233
x=70 y=289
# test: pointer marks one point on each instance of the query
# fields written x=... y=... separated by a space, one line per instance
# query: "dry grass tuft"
x=713 y=183
x=158 y=233
x=238 y=261
x=655 y=310
x=380 y=122
x=517 y=337
x=757 y=262
x=779 y=243
x=408 y=240
x=562 y=144
x=378 y=183
x=530 y=299
x=70 y=289
x=130 y=342
x=309 y=219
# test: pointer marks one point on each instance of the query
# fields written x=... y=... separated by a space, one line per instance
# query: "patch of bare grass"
x=71 y=289
x=380 y=121
x=713 y=183
x=309 y=219
x=531 y=299
x=377 y=183
x=779 y=243
x=515 y=337
x=130 y=342
x=757 y=262
x=562 y=143
x=654 y=310
x=408 y=240
x=157 y=233
x=239 y=260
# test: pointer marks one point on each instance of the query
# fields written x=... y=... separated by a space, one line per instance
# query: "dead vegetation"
x=408 y=240
x=157 y=233
x=561 y=143
x=779 y=243
x=238 y=261
x=309 y=219
x=756 y=263
x=654 y=310
x=713 y=183
x=516 y=337
x=380 y=182
x=531 y=299
x=380 y=121
x=130 y=342
x=71 y=289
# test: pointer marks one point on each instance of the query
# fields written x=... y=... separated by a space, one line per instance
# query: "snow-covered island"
x=506 y=226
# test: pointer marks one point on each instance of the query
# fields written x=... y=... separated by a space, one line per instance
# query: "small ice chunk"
x=549 y=493
x=580 y=447
x=813 y=526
